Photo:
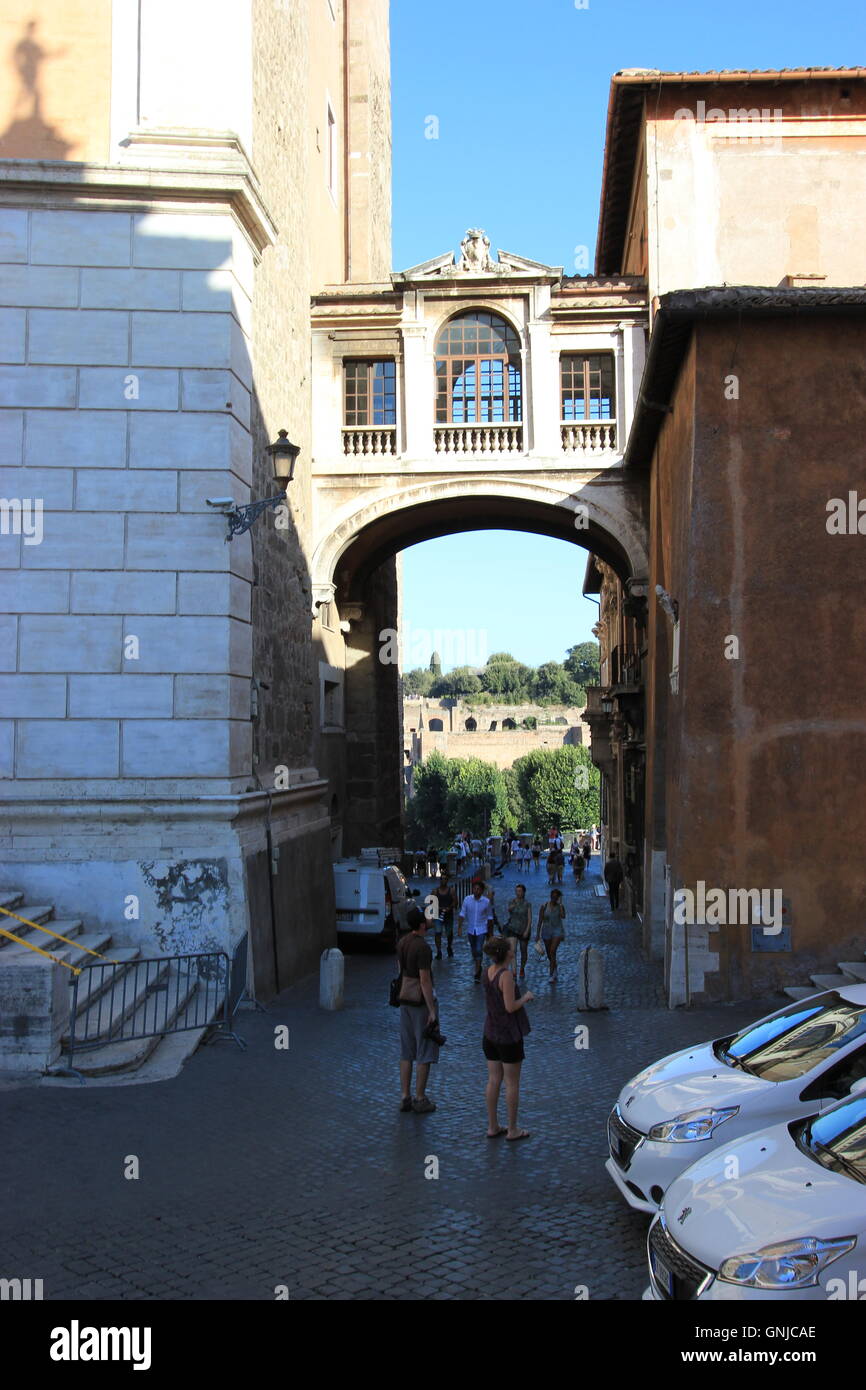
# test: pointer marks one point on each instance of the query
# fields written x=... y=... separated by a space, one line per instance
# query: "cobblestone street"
x=267 y=1167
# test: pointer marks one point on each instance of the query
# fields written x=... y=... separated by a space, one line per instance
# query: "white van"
x=371 y=901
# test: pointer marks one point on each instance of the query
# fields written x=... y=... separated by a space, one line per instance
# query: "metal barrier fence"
x=118 y=1002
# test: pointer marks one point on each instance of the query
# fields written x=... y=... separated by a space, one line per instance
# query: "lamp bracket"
x=240 y=519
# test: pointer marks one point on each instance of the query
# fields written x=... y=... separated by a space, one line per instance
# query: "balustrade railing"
x=478 y=439
x=589 y=436
x=380 y=442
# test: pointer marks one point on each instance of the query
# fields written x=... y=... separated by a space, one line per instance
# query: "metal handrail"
x=76 y=970
x=48 y=932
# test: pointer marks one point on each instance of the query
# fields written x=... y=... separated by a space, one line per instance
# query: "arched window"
x=435 y=726
x=477 y=371
x=471 y=725
x=509 y=724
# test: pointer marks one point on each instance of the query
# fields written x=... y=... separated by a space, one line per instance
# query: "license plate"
x=664 y=1277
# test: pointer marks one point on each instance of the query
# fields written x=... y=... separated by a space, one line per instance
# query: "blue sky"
x=519 y=90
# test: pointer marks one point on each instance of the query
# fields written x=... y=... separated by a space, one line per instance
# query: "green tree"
x=461 y=681
x=477 y=799
x=517 y=817
x=436 y=664
x=558 y=786
x=582 y=663
x=429 y=815
x=509 y=679
x=418 y=682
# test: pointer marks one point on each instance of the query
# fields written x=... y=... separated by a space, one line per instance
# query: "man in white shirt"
x=477 y=912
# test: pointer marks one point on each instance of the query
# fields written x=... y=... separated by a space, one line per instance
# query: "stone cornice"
x=224 y=178
x=114 y=811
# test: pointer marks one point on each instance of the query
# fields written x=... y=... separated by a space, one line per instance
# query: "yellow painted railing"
x=76 y=970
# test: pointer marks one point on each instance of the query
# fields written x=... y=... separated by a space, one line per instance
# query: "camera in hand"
x=432 y=1032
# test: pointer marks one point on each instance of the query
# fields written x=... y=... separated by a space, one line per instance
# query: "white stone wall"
x=124 y=402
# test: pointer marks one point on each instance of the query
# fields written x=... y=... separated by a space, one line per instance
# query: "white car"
x=791 y=1063
x=778 y=1214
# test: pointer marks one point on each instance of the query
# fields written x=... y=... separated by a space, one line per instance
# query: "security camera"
x=220 y=501
x=669 y=605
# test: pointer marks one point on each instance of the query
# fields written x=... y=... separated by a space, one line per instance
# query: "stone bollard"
x=590 y=980
x=331 y=979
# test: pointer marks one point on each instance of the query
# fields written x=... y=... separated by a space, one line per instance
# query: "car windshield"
x=837 y=1139
x=797 y=1040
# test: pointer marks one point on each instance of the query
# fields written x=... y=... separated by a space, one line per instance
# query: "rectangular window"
x=330 y=697
x=370 y=393
x=587 y=386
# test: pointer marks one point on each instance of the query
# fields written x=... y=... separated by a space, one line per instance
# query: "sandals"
x=513 y=1139
x=501 y=1130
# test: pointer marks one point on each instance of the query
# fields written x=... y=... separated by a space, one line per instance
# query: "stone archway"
x=605 y=515
x=353 y=572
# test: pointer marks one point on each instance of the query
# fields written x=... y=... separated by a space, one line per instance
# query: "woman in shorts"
x=505 y=1027
x=551 y=928
x=519 y=924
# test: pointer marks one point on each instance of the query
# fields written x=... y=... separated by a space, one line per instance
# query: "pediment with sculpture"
x=475 y=260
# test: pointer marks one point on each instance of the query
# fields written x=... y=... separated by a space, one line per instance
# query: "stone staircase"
x=129 y=998
x=851 y=972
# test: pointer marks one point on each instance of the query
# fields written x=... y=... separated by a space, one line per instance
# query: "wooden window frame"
x=489 y=378
x=579 y=386
x=369 y=396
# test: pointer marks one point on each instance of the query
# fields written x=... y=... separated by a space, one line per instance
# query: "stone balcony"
x=580 y=440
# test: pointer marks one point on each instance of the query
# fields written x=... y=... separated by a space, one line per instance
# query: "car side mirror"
x=857 y=1087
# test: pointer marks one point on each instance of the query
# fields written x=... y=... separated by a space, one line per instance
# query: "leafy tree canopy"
x=558 y=786
x=582 y=663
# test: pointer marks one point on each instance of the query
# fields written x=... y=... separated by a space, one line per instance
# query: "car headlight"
x=692 y=1125
x=793 y=1264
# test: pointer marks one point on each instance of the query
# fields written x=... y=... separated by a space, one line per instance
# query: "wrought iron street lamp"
x=284 y=455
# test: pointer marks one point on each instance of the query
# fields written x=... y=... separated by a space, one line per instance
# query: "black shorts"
x=503 y=1052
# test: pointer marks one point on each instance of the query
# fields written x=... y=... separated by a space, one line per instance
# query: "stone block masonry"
x=125 y=377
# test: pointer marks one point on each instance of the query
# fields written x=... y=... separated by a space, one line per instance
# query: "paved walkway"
x=268 y=1167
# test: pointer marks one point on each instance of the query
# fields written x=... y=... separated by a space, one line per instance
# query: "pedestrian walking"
x=443 y=923
x=519 y=924
x=577 y=864
x=551 y=867
x=587 y=851
x=536 y=853
x=505 y=1027
x=477 y=912
x=420 y=1038
x=613 y=877
x=551 y=928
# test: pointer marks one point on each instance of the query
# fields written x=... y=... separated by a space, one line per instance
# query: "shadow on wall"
x=28 y=135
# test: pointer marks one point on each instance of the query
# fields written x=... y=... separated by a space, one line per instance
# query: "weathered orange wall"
x=766 y=755
x=55 y=79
